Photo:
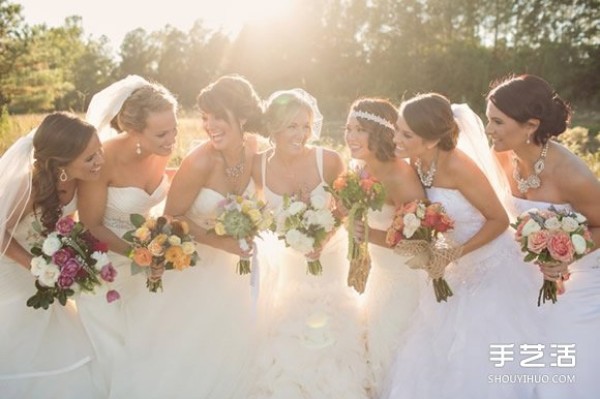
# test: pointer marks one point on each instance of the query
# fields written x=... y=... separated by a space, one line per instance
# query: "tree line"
x=338 y=50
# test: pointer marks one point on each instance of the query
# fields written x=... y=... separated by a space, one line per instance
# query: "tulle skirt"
x=312 y=341
x=43 y=353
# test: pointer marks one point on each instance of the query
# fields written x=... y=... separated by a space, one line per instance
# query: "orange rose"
x=182 y=262
x=340 y=183
x=173 y=254
x=366 y=184
x=142 y=257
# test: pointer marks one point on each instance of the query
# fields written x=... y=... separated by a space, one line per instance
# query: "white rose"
x=318 y=201
x=174 y=240
x=411 y=224
x=552 y=223
x=296 y=207
x=101 y=259
x=38 y=265
x=580 y=218
x=51 y=244
x=49 y=277
x=530 y=227
x=188 y=247
x=579 y=244
x=299 y=241
x=569 y=224
x=325 y=219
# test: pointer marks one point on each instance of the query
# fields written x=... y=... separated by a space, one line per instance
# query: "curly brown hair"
x=381 y=138
x=60 y=138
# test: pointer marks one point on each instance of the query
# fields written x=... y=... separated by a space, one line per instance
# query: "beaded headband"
x=372 y=117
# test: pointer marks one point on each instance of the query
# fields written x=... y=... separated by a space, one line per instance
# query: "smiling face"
x=357 y=139
x=223 y=133
x=293 y=137
x=158 y=137
x=505 y=132
x=408 y=143
x=88 y=164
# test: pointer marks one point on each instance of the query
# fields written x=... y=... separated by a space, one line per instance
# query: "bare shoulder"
x=200 y=159
x=332 y=164
x=460 y=166
x=570 y=172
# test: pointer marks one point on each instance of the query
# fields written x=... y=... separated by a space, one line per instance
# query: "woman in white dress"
x=132 y=181
x=448 y=348
x=214 y=302
x=391 y=292
x=524 y=113
x=311 y=337
x=45 y=353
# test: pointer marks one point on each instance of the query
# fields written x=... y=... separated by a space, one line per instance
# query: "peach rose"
x=173 y=254
x=537 y=242
x=560 y=247
x=410 y=207
x=142 y=257
x=339 y=183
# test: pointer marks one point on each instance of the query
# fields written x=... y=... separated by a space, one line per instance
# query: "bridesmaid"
x=132 y=181
x=45 y=353
x=524 y=113
x=391 y=292
x=211 y=302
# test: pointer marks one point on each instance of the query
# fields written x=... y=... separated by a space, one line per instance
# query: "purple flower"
x=112 y=296
x=65 y=281
x=71 y=267
x=108 y=273
x=65 y=225
x=61 y=257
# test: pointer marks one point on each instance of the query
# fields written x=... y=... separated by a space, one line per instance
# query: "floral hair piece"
x=372 y=117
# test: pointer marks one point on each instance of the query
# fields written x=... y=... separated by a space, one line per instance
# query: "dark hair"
x=234 y=94
x=527 y=97
x=60 y=138
x=143 y=101
x=430 y=116
x=381 y=138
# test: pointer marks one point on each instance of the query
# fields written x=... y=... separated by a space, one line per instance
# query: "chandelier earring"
x=138 y=148
x=63 y=176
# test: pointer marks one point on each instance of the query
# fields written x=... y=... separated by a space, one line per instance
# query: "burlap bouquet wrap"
x=433 y=257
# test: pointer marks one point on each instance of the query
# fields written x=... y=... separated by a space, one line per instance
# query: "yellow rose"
x=161 y=238
x=220 y=229
x=182 y=262
x=156 y=248
x=173 y=253
x=188 y=247
x=150 y=223
x=142 y=234
x=255 y=215
x=174 y=240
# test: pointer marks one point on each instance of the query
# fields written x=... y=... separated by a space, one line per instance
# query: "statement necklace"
x=427 y=177
x=234 y=172
x=532 y=181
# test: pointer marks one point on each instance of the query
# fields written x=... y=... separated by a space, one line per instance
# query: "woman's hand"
x=231 y=245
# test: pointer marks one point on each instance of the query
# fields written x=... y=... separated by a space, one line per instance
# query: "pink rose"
x=519 y=231
x=112 y=296
x=71 y=267
x=64 y=226
x=560 y=247
x=61 y=257
x=410 y=207
x=108 y=273
x=537 y=241
x=65 y=281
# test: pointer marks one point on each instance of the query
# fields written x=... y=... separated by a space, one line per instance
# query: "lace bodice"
x=521 y=205
x=381 y=220
x=467 y=219
x=123 y=201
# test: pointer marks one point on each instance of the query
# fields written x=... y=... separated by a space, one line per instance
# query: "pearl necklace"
x=532 y=181
x=427 y=177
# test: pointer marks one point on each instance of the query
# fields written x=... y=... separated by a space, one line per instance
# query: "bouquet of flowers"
x=417 y=231
x=162 y=243
x=69 y=259
x=305 y=227
x=358 y=192
x=243 y=218
x=555 y=238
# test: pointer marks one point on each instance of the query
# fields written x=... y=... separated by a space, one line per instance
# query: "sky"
x=114 y=18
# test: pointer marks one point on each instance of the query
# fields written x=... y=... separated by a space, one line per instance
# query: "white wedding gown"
x=390 y=298
x=573 y=319
x=196 y=338
x=43 y=353
x=312 y=341
x=106 y=324
x=447 y=349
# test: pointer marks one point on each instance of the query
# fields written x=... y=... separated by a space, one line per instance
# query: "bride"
x=311 y=340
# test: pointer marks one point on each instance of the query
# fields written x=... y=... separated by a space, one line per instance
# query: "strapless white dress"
x=390 y=298
x=573 y=319
x=195 y=339
x=106 y=323
x=43 y=353
x=312 y=340
x=447 y=349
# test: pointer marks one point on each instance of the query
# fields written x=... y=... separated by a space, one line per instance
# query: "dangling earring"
x=528 y=140
x=63 y=176
x=138 y=148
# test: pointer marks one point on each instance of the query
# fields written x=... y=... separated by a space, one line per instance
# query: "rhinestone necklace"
x=234 y=172
x=427 y=177
x=532 y=181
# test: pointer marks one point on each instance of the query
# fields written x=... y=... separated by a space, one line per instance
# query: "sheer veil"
x=473 y=141
x=303 y=95
x=16 y=169
x=108 y=102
